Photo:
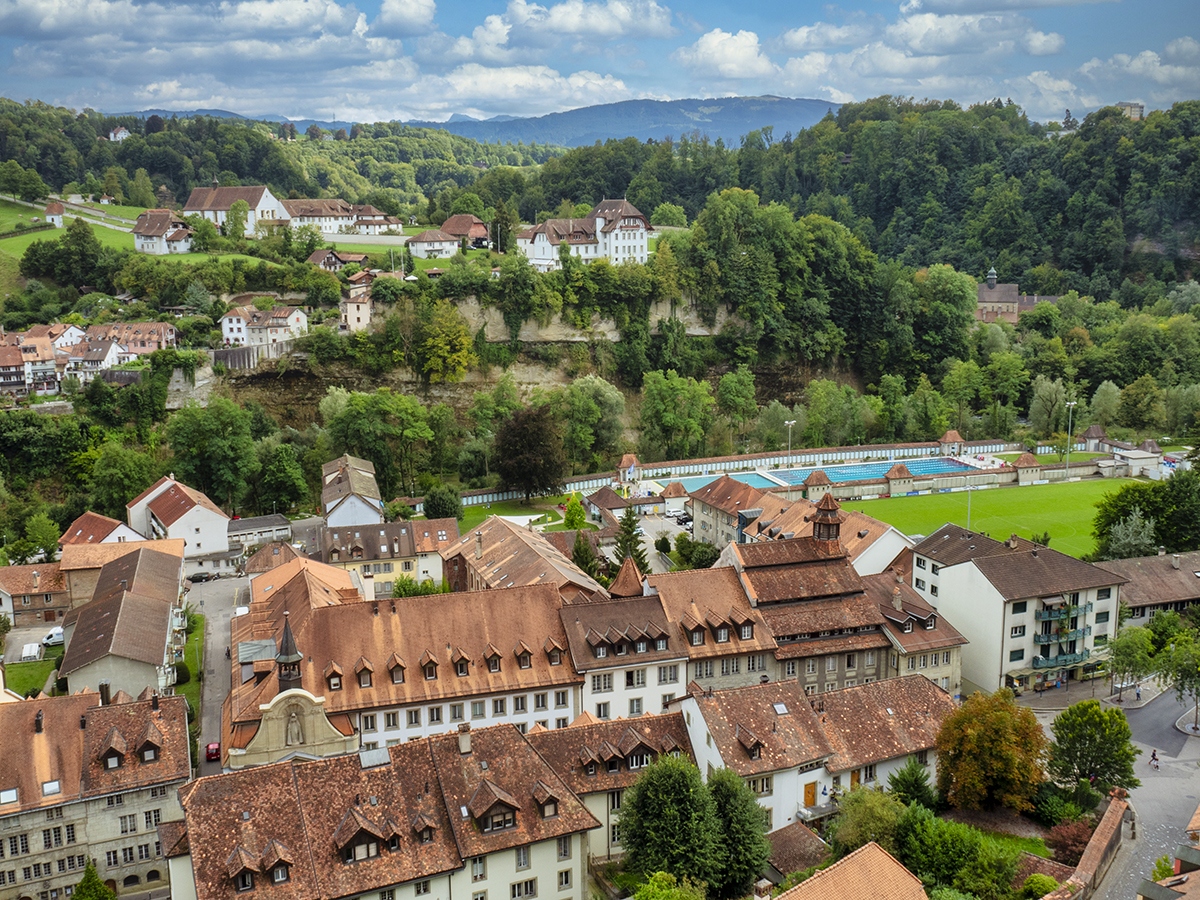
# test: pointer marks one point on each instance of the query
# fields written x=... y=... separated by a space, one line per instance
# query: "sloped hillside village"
x=482 y=739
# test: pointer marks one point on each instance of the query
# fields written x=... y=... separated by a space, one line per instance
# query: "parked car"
x=199 y=577
x=212 y=752
x=54 y=637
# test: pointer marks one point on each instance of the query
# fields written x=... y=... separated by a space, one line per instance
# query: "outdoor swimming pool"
x=695 y=482
x=939 y=465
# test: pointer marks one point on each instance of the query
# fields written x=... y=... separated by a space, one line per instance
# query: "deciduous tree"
x=669 y=823
x=990 y=753
x=865 y=815
x=1180 y=664
x=1092 y=742
x=283 y=484
x=743 y=829
x=214 y=451
x=1131 y=656
x=529 y=452
x=574 y=517
x=443 y=502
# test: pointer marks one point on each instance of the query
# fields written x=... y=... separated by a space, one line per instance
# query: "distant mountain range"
x=728 y=118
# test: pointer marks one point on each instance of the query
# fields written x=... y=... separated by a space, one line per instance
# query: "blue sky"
x=368 y=60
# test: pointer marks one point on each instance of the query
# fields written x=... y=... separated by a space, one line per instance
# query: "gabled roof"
x=870 y=871
x=465 y=225
x=269 y=556
x=178 y=500
x=390 y=540
x=1156 y=579
x=613 y=211
x=15 y=580
x=607 y=498
x=348 y=475
x=432 y=236
x=434 y=535
x=157 y=223
x=885 y=590
x=674 y=490
x=816 y=478
x=1041 y=572
x=71 y=755
x=220 y=199
x=728 y=495
x=951 y=437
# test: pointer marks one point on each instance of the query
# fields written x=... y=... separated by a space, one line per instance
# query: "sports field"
x=1064 y=510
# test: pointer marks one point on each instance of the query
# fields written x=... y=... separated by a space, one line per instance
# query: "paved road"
x=654 y=526
x=306 y=533
x=216 y=600
x=1166 y=800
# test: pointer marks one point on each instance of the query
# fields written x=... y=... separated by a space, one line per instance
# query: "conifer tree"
x=629 y=542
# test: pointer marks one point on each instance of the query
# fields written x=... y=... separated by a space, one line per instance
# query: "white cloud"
x=488 y=42
x=981 y=6
x=822 y=35
x=1039 y=43
x=930 y=33
x=729 y=56
x=611 y=18
x=404 y=17
x=1179 y=78
x=1184 y=50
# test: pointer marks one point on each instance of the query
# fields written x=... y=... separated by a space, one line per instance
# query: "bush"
x=1038 y=885
x=182 y=673
x=1069 y=839
x=662 y=544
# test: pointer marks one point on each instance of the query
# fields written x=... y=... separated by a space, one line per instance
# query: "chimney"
x=762 y=889
x=897 y=603
x=37 y=577
x=1174 y=560
x=464 y=738
x=154 y=701
x=82 y=722
x=1162 y=551
x=479 y=545
x=105 y=696
x=37 y=723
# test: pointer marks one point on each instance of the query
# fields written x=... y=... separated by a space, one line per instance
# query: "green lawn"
x=193 y=655
x=10 y=274
x=1036 y=846
x=1048 y=459
x=16 y=246
x=1064 y=510
x=21 y=678
x=12 y=214
x=123 y=212
x=474 y=515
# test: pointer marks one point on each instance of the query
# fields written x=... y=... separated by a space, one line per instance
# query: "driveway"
x=653 y=527
x=306 y=532
x=216 y=601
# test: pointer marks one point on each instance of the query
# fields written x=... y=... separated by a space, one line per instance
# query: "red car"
x=212 y=752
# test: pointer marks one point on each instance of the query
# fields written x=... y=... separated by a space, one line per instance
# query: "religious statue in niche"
x=295 y=729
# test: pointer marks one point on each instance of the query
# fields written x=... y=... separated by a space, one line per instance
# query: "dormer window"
x=397 y=674
x=591 y=768
x=550 y=809
x=640 y=647
x=425 y=835
x=723 y=634
x=500 y=818
x=462 y=668
x=931 y=623
x=756 y=751
x=622 y=649
x=280 y=874
x=614 y=766
x=908 y=627
x=113 y=760
x=747 y=632
x=638 y=759
x=493 y=664
x=601 y=651
x=556 y=657
x=660 y=643
x=149 y=753
x=698 y=638
x=244 y=881
x=364 y=849
x=430 y=671
x=364 y=678
x=523 y=661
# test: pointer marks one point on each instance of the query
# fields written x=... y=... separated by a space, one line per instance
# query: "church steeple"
x=288 y=658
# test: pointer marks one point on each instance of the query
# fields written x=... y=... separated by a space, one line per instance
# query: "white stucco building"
x=213 y=203
x=171 y=509
x=160 y=232
x=614 y=230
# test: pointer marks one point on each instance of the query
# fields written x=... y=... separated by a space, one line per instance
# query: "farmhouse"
x=614 y=230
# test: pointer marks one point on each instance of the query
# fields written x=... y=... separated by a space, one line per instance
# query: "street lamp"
x=1070 y=435
x=789 y=423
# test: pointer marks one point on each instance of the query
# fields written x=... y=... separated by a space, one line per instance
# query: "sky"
x=372 y=60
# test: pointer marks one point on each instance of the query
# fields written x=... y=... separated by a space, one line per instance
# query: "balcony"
x=1061 y=612
x=1062 y=661
x=1055 y=637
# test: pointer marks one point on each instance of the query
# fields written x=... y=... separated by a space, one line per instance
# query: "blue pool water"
x=939 y=465
x=695 y=482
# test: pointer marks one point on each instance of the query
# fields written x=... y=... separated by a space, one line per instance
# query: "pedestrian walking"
x=1154 y=759
x=1139 y=693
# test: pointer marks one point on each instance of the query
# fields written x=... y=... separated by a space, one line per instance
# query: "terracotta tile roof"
x=728 y=495
x=146 y=570
x=870 y=871
x=514 y=556
x=795 y=848
x=210 y=199
x=433 y=235
x=157 y=222
x=628 y=582
x=620 y=620
x=177 y=501
x=1095 y=431
x=434 y=535
x=795 y=569
x=847 y=643
x=882 y=720
x=816 y=478
x=66 y=753
x=775 y=718
x=93 y=556
x=564 y=541
x=952 y=544
x=568 y=750
x=465 y=225
x=54 y=208
x=674 y=490
x=613 y=211
x=128 y=334
x=173 y=838
x=950 y=436
x=573 y=231
x=697 y=595
x=335 y=631
x=1026 y=461
x=899 y=470
x=305 y=809
x=270 y=556
x=16 y=580
x=627 y=460
x=1155 y=579
x=782 y=518
x=885 y=589
x=607 y=498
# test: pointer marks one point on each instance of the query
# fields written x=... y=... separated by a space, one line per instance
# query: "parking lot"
x=653 y=526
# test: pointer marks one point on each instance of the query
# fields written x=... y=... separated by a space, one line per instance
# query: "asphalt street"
x=216 y=600
x=1166 y=799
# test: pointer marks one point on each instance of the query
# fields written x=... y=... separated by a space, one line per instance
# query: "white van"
x=31 y=653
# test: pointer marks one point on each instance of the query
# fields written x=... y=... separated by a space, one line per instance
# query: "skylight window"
x=780 y=708
x=8 y=796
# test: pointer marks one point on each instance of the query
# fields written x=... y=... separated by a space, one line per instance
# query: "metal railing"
x=1062 y=661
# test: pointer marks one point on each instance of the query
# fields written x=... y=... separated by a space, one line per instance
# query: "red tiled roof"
x=90 y=528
